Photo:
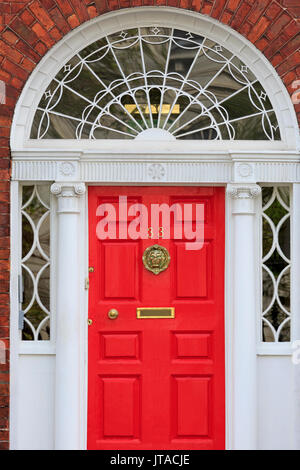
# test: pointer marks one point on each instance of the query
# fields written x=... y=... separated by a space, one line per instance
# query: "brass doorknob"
x=113 y=314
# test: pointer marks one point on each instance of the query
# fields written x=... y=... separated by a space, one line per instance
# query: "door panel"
x=157 y=383
x=120 y=270
x=192 y=421
x=195 y=264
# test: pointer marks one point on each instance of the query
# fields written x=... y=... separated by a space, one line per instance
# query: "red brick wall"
x=28 y=29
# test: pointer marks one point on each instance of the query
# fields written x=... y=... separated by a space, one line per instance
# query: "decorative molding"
x=26 y=170
x=161 y=169
x=68 y=194
x=68 y=189
x=238 y=191
x=245 y=170
x=79 y=189
x=156 y=171
x=67 y=169
x=138 y=172
x=56 y=189
x=278 y=172
x=243 y=196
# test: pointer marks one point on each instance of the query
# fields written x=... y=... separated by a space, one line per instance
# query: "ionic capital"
x=68 y=195
x=243 y=196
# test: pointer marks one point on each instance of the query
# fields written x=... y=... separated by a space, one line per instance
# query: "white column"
x=244 y=303
x=67 y=385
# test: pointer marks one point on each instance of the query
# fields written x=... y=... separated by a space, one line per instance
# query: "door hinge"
x=86 y=283
x=20 y=295
x=21 y=320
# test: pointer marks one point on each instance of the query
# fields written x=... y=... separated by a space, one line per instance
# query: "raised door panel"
x=120 y=270
x=120 y=407
x=192 y=404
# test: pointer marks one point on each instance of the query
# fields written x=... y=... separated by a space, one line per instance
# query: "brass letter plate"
x=155 y=312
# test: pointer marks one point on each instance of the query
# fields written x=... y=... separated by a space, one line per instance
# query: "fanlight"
x=128 y=83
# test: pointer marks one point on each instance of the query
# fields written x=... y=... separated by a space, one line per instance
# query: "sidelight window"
x=276 y=264
x=35 y=264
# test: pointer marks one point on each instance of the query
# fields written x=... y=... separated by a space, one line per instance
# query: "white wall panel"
x=35 y=419
x=275 y=403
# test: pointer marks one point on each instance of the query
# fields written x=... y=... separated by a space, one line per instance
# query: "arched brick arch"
x=28 y=29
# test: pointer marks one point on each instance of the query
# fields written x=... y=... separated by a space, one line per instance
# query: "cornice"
x=201 y=168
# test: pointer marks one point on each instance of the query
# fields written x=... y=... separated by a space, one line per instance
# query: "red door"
x=157 y=383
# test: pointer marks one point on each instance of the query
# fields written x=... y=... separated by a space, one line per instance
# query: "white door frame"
x=239 y=165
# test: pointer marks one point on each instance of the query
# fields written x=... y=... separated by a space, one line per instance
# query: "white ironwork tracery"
x=36 y=263
x=181 y=83
x=276 y=264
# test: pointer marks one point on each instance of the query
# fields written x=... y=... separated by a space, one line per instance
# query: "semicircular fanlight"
x=180 y=83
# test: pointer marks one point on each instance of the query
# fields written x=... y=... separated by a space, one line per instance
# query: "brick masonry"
x=28 y=29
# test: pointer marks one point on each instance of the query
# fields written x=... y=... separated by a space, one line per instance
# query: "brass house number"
x=151 y=233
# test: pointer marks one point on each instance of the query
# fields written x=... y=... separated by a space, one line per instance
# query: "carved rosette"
x=245 y=170
x=67 y=169
x=156 y=171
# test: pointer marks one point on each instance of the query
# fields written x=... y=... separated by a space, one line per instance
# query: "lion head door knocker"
x=156 y=258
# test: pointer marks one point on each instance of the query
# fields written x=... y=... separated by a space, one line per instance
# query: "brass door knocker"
x=156 y=258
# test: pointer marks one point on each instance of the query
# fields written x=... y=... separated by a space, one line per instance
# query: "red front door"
x=157 y=383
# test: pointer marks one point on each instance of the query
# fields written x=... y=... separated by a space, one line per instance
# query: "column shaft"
x=245 y=316
x=67 y=385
